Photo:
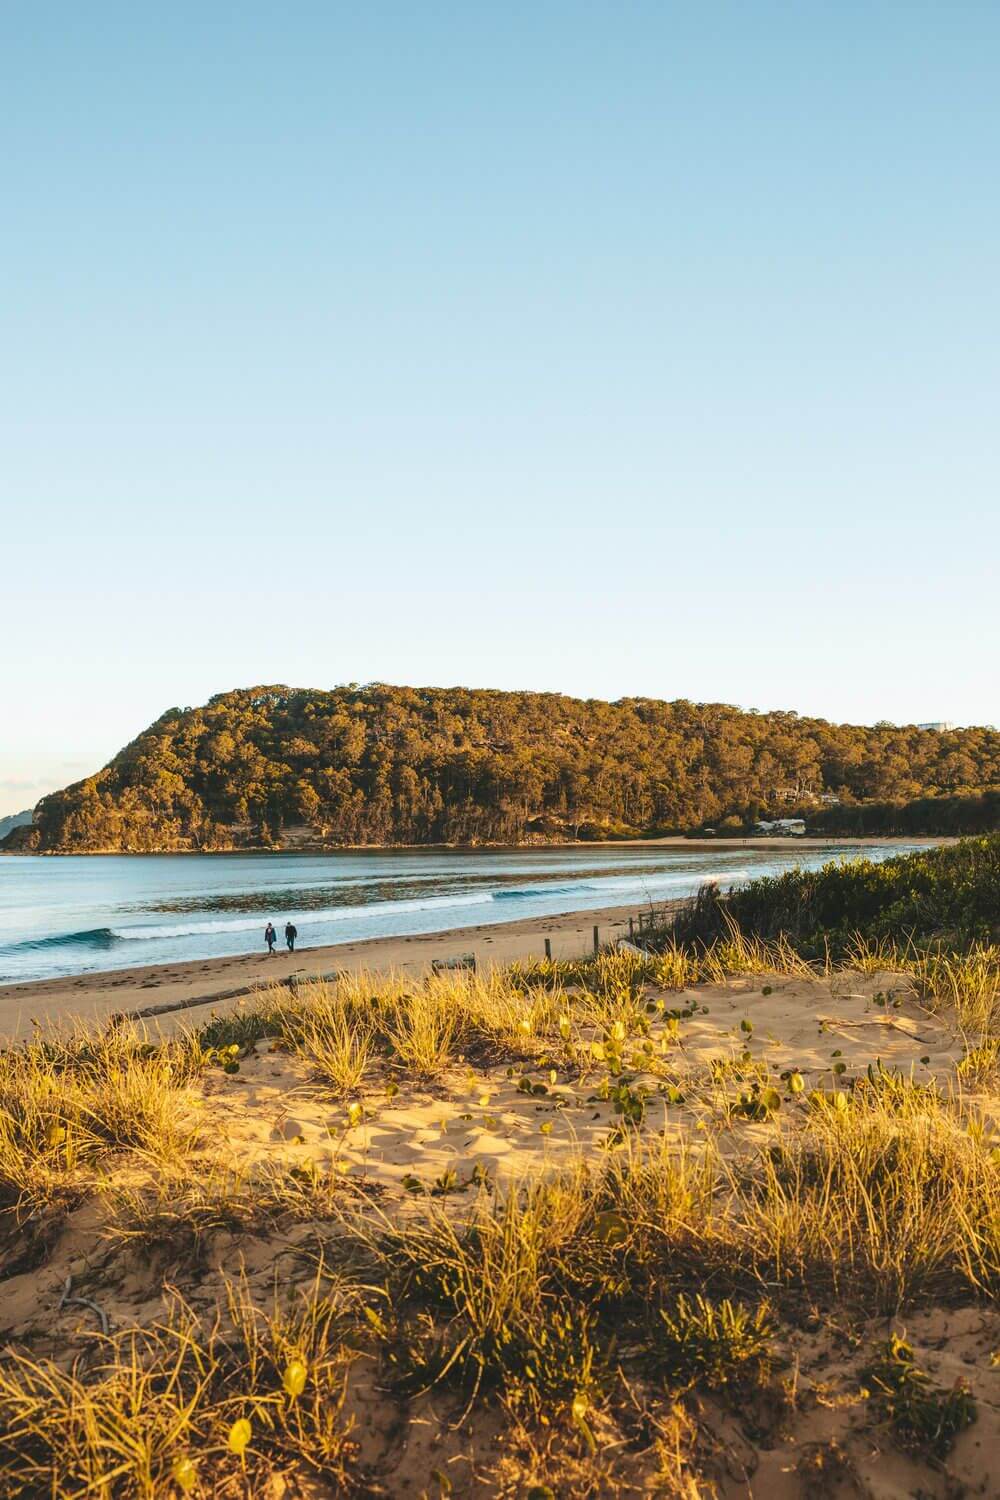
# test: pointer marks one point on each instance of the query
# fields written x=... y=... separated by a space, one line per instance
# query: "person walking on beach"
x=270 y=938
x=291 y=933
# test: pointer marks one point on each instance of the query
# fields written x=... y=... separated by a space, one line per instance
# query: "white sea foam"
x=645 y=884
x=329 y=914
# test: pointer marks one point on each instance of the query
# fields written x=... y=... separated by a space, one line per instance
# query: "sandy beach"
x=172 y=989
x=210 y=982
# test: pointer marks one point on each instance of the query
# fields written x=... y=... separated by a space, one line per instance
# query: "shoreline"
x=668 y=841
x=176 y=989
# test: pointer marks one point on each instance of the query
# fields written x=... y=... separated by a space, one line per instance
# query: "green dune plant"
x=924 y=1418
x=715 y=1344
x=949 y=894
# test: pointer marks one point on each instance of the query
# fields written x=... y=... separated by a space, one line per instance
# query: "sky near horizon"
x=611 y=349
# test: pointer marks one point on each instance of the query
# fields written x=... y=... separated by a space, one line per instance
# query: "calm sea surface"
x=70 y=915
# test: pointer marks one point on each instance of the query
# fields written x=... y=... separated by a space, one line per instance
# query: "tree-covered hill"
x=277 y=766
x=14 y=820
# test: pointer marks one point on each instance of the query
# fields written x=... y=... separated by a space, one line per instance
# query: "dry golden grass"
x=68 y=1110
x=179 y=1213
x=184 y=1407
x=590 y=1310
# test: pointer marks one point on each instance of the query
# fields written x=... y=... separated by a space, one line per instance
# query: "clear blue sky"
x=609 y=348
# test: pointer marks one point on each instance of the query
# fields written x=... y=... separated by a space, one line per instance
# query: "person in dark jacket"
x=291 y=933
x=270 y=938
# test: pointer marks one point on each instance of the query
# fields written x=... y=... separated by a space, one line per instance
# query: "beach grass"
x=592 y=1326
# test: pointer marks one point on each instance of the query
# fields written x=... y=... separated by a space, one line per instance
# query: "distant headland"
x=285 y=768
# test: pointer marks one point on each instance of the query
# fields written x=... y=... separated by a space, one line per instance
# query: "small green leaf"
x=295 y=1377
x=376 y=1321
x=611 y=1227
x=184 y=1474
x=239 y=1437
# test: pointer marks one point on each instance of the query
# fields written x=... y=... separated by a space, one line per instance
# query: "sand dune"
x=264 y=1169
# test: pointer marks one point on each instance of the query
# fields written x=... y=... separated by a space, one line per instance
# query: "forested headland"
x=277 y=767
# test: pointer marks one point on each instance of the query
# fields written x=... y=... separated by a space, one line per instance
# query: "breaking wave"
x=90 y=937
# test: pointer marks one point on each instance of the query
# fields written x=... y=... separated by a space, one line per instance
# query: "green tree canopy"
x=381 y=764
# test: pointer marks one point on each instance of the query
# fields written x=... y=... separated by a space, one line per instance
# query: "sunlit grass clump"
x=187 y=1405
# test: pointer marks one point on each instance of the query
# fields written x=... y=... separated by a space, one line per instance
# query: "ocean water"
x=70 y=915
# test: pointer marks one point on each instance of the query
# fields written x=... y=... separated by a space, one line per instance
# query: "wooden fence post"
x=597 y=942
x=548 y=948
